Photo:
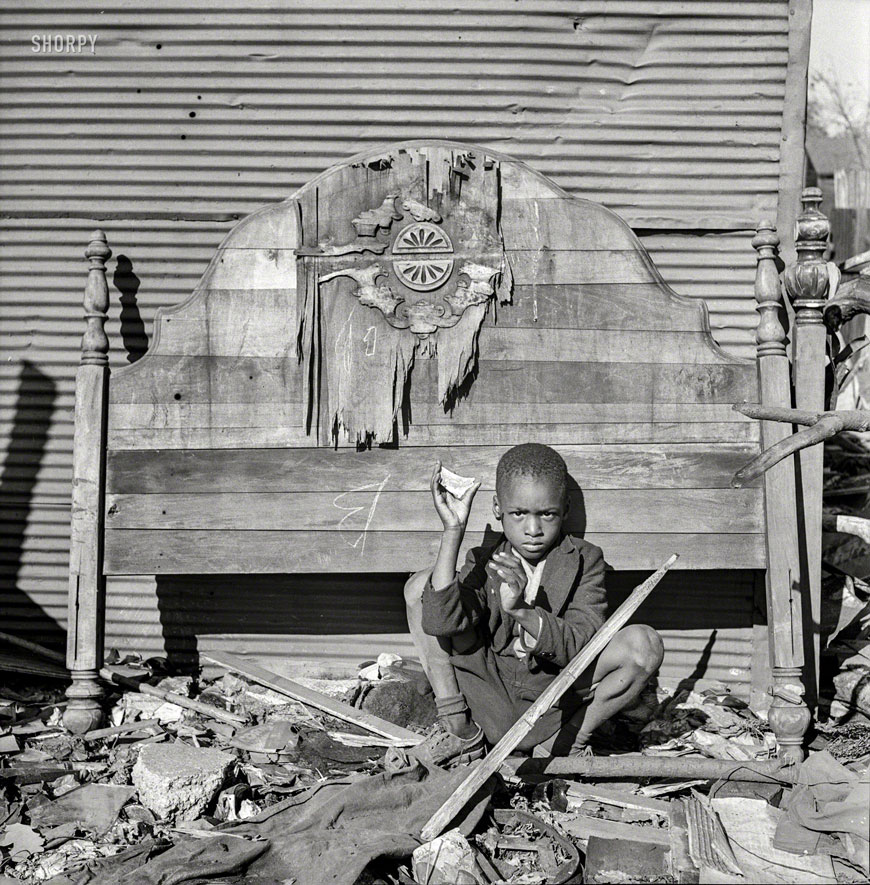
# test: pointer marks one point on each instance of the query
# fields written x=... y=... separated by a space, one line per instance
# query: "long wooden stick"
x=315 y=699
x=172 y=697
x=489 y=765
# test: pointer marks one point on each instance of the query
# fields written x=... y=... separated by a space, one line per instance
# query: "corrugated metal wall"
x=182 y=121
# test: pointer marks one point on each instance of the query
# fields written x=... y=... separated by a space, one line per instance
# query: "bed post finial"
x=807 y=283
x=789 y=716
x=770 y=336
x=95 y=343
x=86 y=583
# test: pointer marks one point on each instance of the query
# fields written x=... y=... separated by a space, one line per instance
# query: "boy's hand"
x=513 y=580
x=452 y=510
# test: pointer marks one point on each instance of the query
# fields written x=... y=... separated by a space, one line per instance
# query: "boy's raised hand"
x=452 y=510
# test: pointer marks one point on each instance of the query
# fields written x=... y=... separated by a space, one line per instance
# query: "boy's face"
x=531 y=511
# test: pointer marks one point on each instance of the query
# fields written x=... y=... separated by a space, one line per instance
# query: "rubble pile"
x=166 y=793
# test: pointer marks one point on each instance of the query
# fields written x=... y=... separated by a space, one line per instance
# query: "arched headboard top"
x=448 y=301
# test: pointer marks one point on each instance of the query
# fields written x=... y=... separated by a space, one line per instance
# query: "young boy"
x=494 y=636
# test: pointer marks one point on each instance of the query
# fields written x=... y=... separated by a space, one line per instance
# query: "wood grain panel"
x=271 y=337
x=204 y=379
x=699 y=511
x=409 y=469
x=545 y=265
x=211 y=321
x=605 y=346
x=442 y=434
x=229 y=322
x=567 y=434
x=605 y=305
x=133 y=552
x=563 y=223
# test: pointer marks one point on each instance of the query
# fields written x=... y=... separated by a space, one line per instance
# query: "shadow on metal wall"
x=28 y=440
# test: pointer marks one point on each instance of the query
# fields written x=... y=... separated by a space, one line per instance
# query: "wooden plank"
x=203 y=379
x=582 y=827
x=579 y=381
x=544 y=702
x=563 y=223
x=194 y=437
x=200 y=379
x=229 y=322
x=565 y=434
x=580 y=792
x=607 y=305
x=443 y=435
x=544 y=265
x=624 y=510
x=408 y=469
x=151 y=551
x=610 y=346
x=315 y=699
x=210 y=323
x=229 y=337
x=256 y=416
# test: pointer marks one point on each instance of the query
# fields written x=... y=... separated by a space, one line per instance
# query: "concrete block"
x=177 y=780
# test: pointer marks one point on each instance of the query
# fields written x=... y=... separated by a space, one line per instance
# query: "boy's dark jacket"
x=570 y=601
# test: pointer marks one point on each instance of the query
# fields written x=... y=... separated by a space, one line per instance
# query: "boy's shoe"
x=446 y=749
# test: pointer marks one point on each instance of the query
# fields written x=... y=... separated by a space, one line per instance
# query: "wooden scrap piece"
x=312 y=698
x=489 y=765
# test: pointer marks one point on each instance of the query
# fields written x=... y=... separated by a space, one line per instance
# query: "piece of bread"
x=454 y=483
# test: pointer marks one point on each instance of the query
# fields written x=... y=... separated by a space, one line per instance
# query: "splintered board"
x=212 y=467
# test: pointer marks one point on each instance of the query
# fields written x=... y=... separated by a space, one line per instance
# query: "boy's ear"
x=496 y=507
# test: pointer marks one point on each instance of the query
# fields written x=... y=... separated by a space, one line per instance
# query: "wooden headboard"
x=234 y=445
x=436 y=300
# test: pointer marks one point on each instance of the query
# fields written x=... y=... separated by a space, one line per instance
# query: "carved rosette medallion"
x=429 y=261
x=404 y=279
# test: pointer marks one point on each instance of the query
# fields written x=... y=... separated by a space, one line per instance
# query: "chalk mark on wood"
x=352 y=511
x=370 y=339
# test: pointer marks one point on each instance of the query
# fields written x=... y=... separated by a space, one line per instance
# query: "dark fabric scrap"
x=329 y=834
x=333 y=832
x=828 y=798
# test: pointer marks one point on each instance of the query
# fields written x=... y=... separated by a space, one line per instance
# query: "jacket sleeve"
x=460 y=605
x=562 y=636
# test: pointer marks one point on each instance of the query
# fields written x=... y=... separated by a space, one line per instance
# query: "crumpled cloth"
x=328 y=834
x=828 y=798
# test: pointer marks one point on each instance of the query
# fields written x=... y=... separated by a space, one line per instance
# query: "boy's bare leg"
x=621 y=671
x=435 y=658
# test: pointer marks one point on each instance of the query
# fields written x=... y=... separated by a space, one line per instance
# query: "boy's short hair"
x=533 y=460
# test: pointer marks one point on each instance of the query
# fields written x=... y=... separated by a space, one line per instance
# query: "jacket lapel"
x=560 y=573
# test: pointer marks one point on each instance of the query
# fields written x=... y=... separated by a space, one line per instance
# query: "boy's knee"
x=415 y=585
x=643 y=646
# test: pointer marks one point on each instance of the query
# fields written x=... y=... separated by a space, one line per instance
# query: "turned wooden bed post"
x=86 y=583
x=789 y=716
x=806 y=282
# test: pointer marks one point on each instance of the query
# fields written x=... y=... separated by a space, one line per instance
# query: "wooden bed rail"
x=86 y=582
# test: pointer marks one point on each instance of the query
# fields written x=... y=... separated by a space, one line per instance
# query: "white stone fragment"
x=177 y=780
x=454 y=483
